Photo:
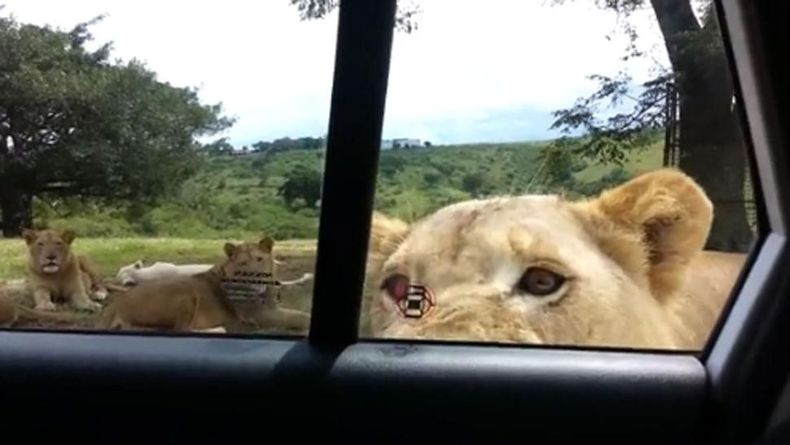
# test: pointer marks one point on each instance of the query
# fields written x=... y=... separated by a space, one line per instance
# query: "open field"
x=240 y=196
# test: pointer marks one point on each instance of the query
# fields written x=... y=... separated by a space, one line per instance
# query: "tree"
x=712 y=148
x=472 y=183
x=556 y=167
x=261 y=146
x=72 y=123
x=391 y=164
x=219 y=147
x=303 y=183
x=405 y=18
x=432 y=178
x=286 y=144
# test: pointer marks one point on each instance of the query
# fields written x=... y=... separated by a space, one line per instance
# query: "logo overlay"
x=418 y=301
x=248 y=286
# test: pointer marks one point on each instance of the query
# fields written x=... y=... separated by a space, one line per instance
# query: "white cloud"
x=471 y=59
x=469 y=64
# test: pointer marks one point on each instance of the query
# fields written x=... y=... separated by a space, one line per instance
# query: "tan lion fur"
x=637 y=275
x=12 y=312
x=55 y=271
x=199 y=303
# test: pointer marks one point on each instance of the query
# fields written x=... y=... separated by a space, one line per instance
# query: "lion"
x=624 y=269
x=55 y=271
x=12 y=312
x=138 y=272
x=201 y=302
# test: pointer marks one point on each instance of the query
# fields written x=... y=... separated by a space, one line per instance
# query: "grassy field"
x=112 y=253
x=649 y=158
x=238 y=197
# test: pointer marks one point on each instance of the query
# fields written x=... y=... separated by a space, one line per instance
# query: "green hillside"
x=237 y=197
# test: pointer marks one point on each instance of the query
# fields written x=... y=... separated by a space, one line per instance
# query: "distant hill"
x=237 y=196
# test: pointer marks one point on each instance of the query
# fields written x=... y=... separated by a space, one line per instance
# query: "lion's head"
x=49 y=250
x=540 y=269
x=249 y=257
x=126 y=273
x=249 y=262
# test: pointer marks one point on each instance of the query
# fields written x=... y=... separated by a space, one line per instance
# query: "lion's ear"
x=667 y=213
x=229 y=249
x=386 y=234
x=68 y=236
x=266 y=244
x=29 y=236
x=138 y=264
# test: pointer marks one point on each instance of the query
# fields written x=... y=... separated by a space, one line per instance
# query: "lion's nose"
x=52 y=257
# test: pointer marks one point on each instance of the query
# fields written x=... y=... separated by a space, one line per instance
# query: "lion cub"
x=201 y=302
x=55 y=271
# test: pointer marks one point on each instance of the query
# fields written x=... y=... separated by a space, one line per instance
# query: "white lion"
x=137 y=272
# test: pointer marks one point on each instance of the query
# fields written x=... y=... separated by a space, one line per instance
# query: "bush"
x=93 y=226
x=472 y=183
x=302 y=183
x=431 y=178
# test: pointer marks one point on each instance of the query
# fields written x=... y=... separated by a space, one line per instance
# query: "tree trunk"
x=716 y=157
x=17 y=213
x=712 y=149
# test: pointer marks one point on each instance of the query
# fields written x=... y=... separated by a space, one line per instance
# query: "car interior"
x=147 y=387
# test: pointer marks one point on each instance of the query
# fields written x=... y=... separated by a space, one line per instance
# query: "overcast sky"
x=474 y=71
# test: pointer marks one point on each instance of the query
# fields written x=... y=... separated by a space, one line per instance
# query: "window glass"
x=166 y=155
x=561 y=172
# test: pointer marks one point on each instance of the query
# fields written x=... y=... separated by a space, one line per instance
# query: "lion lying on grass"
x=12 y=312
x=625 y=269
x=55 y=271
x=138 y=272
x=201 y=302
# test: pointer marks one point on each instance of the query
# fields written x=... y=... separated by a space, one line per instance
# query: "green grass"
x=112 y=253
x=651 y=157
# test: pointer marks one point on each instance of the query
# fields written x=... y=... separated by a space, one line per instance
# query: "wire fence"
x=672 y=155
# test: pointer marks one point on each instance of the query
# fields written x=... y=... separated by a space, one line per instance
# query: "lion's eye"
x=260 y=259
x=40 y=244
x=540 y=282
x=397 y=286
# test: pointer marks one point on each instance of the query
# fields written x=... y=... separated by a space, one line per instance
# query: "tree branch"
x=405 y=19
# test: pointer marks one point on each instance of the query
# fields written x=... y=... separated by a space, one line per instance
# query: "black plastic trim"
x=364 y=42
x=366 y=393
x=749 y=360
